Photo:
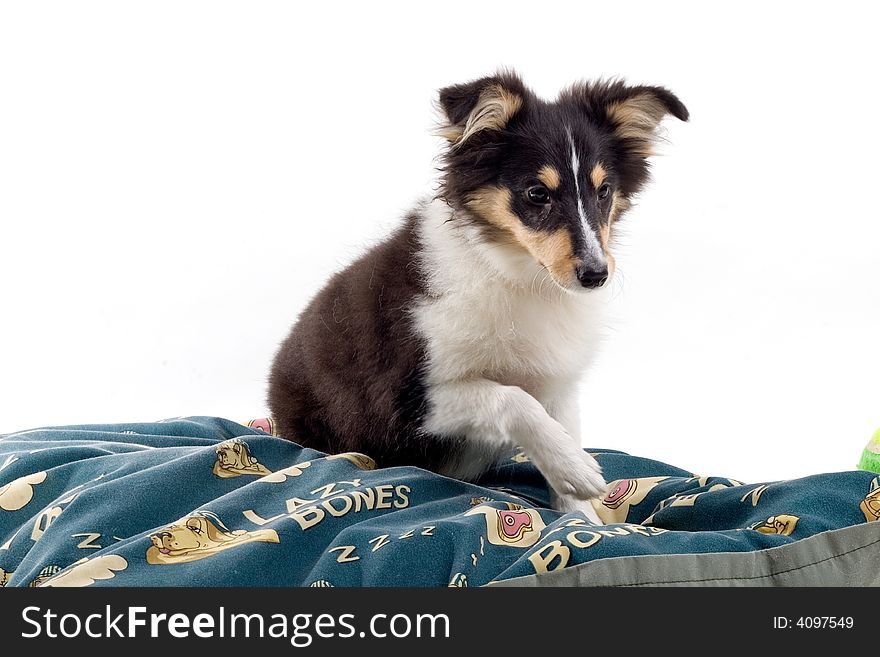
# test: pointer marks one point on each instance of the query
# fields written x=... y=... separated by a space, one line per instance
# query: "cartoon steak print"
x=617 y=495
x=264 y=424
x=513 y=524
x=622 y=495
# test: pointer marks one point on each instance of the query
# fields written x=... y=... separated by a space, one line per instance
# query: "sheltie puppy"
x=468 y=329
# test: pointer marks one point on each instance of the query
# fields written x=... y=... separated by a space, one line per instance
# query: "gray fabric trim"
x=840 y=557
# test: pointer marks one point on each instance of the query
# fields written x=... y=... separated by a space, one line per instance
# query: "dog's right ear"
x=482 y=106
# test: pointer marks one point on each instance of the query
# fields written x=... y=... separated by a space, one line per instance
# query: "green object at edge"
x=871 y=454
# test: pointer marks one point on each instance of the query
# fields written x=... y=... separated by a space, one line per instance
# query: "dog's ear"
x=479 y=107
x=632 y=117
x=633 y=114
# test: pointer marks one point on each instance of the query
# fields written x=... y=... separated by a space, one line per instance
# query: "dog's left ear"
x=481 y=107
x=633 y=113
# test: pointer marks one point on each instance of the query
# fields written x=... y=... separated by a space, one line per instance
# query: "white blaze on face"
x=594 y=248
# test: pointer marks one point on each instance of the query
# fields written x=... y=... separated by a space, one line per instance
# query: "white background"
x=177 y=178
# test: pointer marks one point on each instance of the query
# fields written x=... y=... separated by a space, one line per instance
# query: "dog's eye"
x=604 y=191
x=538 y=195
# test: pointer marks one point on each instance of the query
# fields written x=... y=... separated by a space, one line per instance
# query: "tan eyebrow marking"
x=549 y=176
x=551 y=248
x=597 y=175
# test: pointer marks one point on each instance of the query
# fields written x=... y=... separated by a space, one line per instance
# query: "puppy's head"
x=548 y=180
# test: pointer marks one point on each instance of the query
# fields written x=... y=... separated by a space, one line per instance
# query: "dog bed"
x=206 y=501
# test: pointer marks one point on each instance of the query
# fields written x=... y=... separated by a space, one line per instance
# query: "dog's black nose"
x=590 y=277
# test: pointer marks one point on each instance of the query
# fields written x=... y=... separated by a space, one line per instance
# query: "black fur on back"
x=348 y=377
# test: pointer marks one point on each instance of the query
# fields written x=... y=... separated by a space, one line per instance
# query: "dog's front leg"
x=494 y=416
x=565 y=408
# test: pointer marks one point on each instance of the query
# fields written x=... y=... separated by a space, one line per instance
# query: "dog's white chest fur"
x=494 y=313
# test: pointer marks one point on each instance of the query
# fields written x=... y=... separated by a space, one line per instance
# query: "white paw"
x=570 y=470
x=569 y=504
x=583 y=478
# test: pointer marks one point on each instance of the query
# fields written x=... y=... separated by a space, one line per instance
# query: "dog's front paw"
x=583 y=478
x=569 y=504
x=572 y=472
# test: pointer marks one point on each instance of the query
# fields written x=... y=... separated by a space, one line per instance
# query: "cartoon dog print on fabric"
x=782 y=524
x=870 y=506
x=200 y=535
x=234 y=459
